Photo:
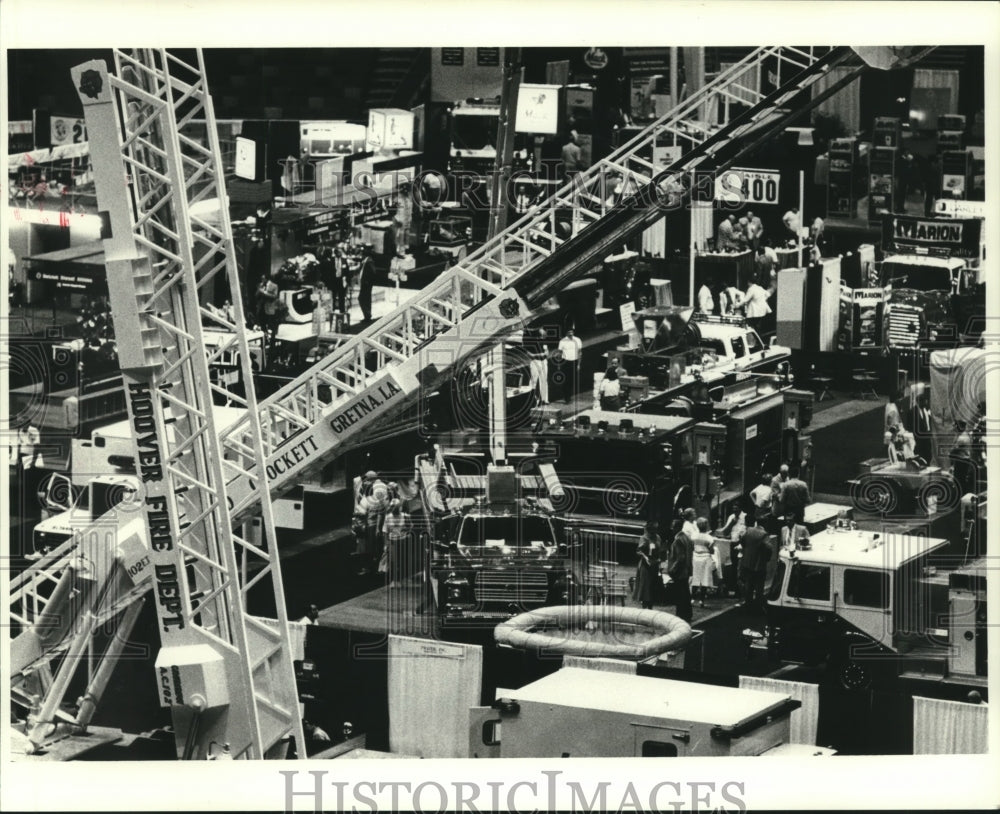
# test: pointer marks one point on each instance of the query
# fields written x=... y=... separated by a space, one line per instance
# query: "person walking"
x=702 y=561
x=762 y=497
x=647 y=573
x=322 y=310
x=795 y=496
x=755 y=306
x=726 y=538
x=923 y=446
x=396 y=528
x=756 y=553
x=706 y=299
x=679 y=569
x=538 y=365
x=609 y=391
x=366 y=282
x=339 y=279
x=268 y=306
x=570 y=351
x=572 y=156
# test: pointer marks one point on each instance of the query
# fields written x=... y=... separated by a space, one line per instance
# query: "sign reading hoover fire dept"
x=742 y=186
x=960 y=237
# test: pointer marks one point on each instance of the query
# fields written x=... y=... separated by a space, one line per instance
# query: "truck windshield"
x=510 y=531
x=920 y=278
x=473 y=132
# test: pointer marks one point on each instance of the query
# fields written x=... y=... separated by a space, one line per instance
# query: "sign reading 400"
x=742 y=186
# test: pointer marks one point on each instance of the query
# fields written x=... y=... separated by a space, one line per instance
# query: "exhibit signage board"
x=747 y=186
x=960 y=237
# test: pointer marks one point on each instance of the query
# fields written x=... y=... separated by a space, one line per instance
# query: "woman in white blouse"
x=703 y=561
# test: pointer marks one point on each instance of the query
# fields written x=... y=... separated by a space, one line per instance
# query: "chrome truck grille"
x=903 y=328
x=525 y=588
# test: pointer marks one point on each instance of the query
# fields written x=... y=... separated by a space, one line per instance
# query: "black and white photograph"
x=368 y=399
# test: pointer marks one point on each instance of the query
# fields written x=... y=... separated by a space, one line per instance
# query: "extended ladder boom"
x=494 y=290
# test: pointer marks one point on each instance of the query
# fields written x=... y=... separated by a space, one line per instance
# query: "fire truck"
x=498 y=546
x=879 y=606
x=226 y=675
x=932 y=276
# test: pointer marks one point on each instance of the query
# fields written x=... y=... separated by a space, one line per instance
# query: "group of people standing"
x=733 y=559
x=698 y=563
x=381 y=527
x=334 y=274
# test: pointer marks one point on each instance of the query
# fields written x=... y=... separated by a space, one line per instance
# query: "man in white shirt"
x=755 y=306
x=570 y=351
x=706 y=300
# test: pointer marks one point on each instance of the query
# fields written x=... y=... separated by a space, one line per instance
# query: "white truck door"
x=864 y=598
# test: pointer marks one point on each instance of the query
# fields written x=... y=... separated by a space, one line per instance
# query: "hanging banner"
x=960 y=237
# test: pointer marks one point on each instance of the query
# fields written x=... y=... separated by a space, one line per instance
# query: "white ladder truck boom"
x=317 y=416
x=149 y=169
x=227 y=676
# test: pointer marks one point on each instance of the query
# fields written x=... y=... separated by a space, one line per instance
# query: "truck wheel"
x=851 y=674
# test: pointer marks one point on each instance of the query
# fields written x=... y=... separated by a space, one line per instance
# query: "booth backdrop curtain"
x=803 y=721
x=949 y=727
x=846 y=103
x=605 y=665
x=654 y=239
x=702 y=225
x=432 y=686
x=938 y=78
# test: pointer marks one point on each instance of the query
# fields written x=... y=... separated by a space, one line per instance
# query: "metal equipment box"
x=590 y=713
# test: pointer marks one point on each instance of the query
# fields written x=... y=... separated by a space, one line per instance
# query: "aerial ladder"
x=495 y=289
x=227 y=676
x=197 y=484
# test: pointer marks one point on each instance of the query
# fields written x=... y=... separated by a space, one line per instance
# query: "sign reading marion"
x=960 y=237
